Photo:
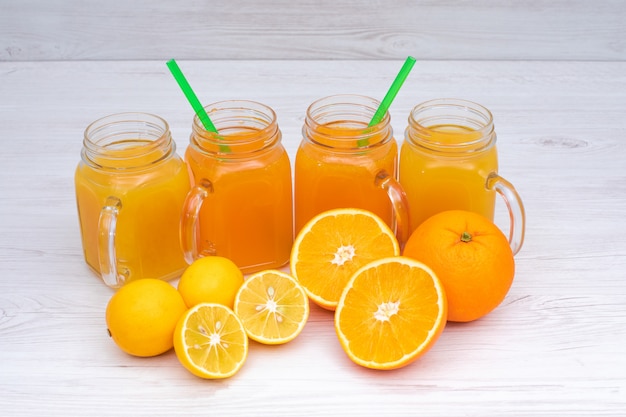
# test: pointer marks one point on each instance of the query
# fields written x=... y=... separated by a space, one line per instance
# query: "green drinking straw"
x=193 y=100
x=393 y=91
x=191 y=96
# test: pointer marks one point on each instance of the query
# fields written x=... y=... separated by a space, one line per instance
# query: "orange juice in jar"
x=130 y=190
x=240 y=206
x=449 y=161
x=341 y=162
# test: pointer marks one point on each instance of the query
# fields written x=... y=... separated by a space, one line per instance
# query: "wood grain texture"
x=312 y=29
x=553 y=348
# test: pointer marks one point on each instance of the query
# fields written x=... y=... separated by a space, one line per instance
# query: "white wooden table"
x=555 y=347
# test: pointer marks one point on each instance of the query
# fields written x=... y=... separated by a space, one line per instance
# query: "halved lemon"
x=272 y=306
x=210 y=341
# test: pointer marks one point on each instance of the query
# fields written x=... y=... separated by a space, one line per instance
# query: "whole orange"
x=472 y=258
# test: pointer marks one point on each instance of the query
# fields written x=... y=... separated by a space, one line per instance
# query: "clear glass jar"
x=130 y=190
x=343 y=163
x=449 y=161
x=240 y=206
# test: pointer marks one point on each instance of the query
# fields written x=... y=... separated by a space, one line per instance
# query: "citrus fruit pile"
x=209 y=317
x=389 y=308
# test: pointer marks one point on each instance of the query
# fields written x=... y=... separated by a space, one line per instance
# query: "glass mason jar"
x=240 y=206
x=449 y=161
x=344 y=163
x=130 y=190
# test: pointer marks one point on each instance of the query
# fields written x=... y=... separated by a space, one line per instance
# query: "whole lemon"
x=212 y=279
x=142 y=315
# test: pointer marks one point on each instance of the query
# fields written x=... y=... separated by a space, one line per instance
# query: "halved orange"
x=334 y=245
x=391 y=312
x=272 y=306
x=210 y=341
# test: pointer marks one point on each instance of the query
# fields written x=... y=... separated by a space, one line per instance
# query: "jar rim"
x=451 y=125
x=98 y=126
x=348 y=104
x=139 y=138
x=466 y=106
x=234 y=111
x=342 y=121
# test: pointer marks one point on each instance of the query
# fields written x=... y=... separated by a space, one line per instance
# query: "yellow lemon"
x=210 y=341
x=212 y=279
x=272 y=306
x=142 y=315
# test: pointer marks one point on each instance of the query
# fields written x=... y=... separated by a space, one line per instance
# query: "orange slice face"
x=272 y=306
x=332 y=246
x=391 y=312
x=210 y=341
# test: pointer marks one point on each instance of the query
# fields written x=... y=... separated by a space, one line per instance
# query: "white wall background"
x=34 y=30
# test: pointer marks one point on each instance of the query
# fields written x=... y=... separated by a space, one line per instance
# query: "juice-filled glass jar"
x=344 y=163
x=130 y=189
x=449 y=161
x=240 y=206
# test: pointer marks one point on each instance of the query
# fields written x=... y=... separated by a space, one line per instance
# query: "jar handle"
x=399 y=203
x=189 y=227
x=107 y=227
x=517 y=215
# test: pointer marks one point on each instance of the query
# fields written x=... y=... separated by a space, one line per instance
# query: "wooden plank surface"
x=555 y=347
x=319 y=29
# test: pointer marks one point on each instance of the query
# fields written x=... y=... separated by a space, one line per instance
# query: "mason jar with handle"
x=449 y=161
x=344 y=163
x=130 y=189
x=240 y=206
